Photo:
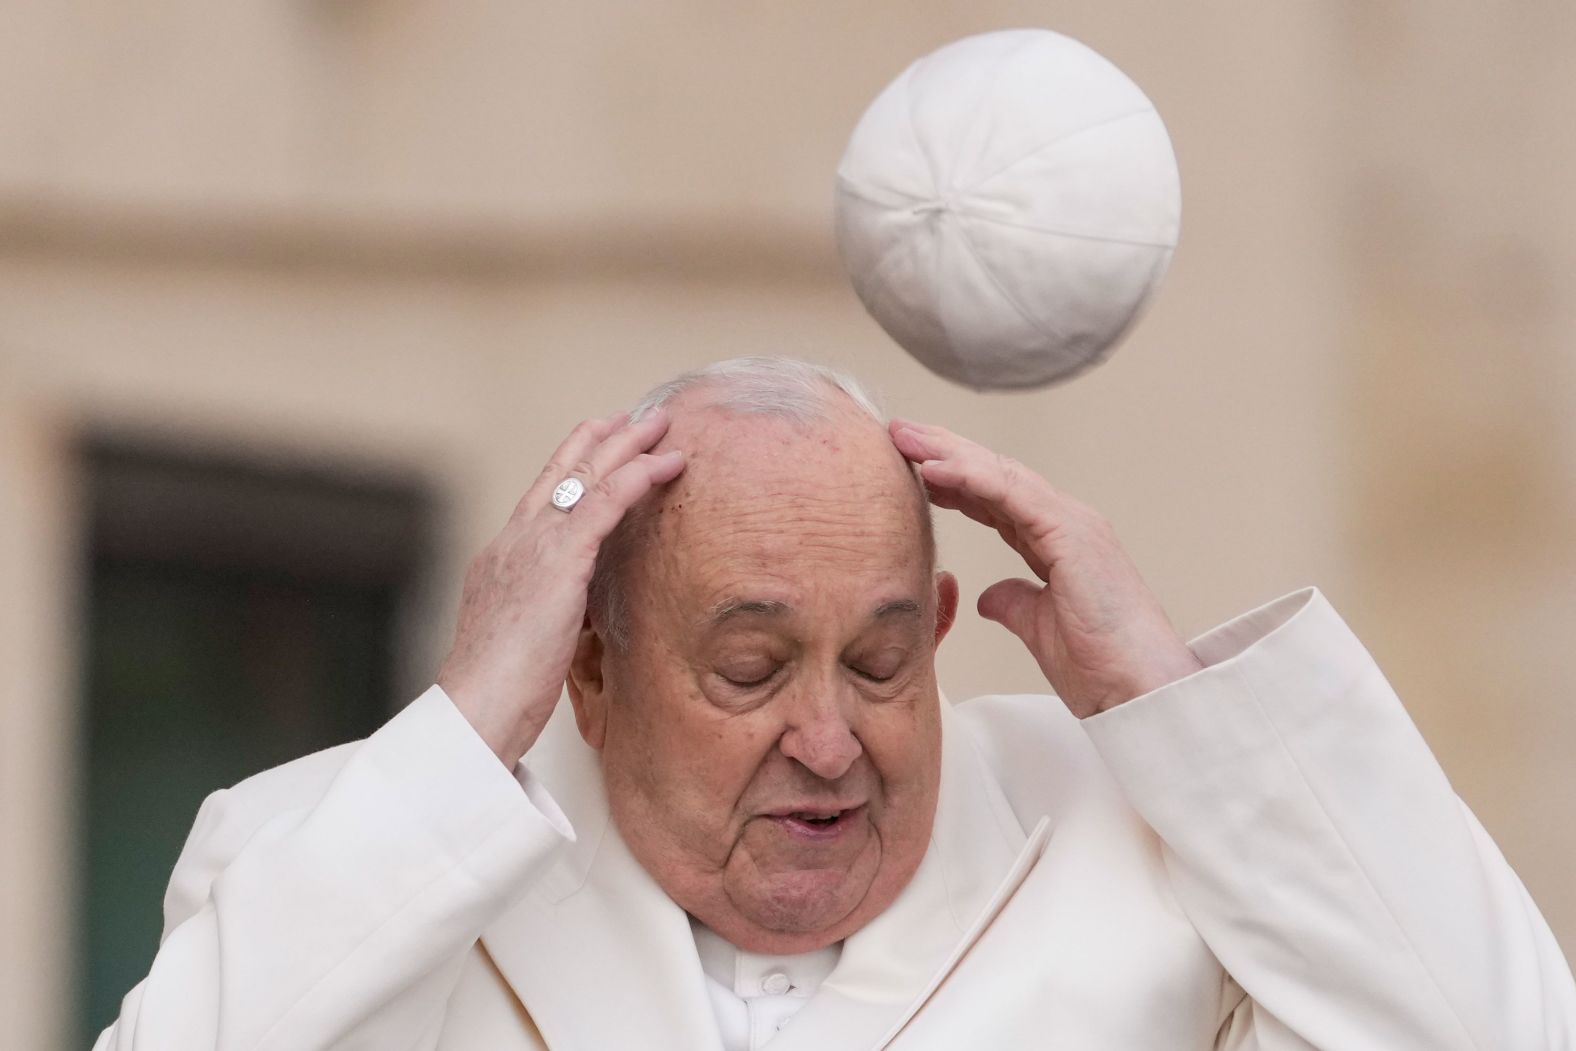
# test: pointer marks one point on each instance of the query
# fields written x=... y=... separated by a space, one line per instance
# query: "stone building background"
x=384 y=238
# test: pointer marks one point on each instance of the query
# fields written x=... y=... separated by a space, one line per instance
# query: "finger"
x=1010 y=490
x=948 y=461
x=983 y=513
x=1011 y=604
x=919 y=441
x=620 y=447
x=944 y=485
x=956 y=498
x=586 y=436
x=997 y=492
x=972 y=507
x=594 y=517
x=900 y=423
x=951 y=460
x=927 y=447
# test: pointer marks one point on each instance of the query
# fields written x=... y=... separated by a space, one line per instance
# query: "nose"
x=819 y=736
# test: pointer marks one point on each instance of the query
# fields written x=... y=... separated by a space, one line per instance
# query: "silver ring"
x=568 y=493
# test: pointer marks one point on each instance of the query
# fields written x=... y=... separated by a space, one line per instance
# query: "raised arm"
x=1318 y=848
x=331 y=902
x=1307 y=831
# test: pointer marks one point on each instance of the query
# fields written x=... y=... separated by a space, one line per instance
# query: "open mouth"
x=817 y=823
x=820 y=821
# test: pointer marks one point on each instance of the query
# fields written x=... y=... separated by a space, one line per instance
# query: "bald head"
x=793 y=456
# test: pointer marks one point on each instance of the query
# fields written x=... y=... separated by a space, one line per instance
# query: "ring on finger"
x=568 y=493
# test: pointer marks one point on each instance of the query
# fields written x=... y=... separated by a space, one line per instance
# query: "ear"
x=946 y=603
x=588 y=686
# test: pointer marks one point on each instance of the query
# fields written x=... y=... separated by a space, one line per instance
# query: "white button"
x=775 y=984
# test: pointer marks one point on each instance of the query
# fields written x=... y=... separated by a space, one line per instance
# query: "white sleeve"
x=341 y=919
x=1315 y=844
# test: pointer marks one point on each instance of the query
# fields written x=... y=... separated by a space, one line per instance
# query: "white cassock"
x=1264 y=855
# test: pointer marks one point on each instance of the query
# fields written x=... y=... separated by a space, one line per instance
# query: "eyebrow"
x=732 y=607
x=727 y=609
x=904 y=606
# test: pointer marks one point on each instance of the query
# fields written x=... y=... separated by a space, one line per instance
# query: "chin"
x=800 y=912
x=805 y=903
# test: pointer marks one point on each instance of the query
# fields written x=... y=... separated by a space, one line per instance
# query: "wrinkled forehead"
x=766 y=502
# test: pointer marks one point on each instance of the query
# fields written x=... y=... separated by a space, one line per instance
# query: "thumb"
x=1010 y=603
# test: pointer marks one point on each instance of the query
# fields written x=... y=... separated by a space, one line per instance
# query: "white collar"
x=750 y=974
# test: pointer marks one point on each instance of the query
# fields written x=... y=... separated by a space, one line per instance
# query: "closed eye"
x=879 y=664
x=746 y=680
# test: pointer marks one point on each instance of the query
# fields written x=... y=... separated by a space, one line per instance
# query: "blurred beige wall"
x=433 y=236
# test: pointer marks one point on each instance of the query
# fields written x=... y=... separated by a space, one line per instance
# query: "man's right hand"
x=525 y=594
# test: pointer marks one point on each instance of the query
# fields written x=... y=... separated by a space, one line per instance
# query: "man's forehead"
x=732 y=456
x=770 y=508
x=768 y=564
x=773 y=489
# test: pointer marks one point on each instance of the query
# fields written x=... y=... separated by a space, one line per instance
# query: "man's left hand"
x=1097 y=631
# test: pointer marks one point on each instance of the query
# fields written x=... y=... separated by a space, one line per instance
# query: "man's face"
x=770 y=736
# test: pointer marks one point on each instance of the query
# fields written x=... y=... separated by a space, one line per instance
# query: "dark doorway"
x=238 y=615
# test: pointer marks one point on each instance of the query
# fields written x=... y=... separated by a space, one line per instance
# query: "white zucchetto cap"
x=1006 y=206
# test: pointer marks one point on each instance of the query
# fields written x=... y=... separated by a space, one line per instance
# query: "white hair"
x=783 y=388
x=764 y=386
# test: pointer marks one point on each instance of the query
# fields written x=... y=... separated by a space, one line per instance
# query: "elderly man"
x=758 y=821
